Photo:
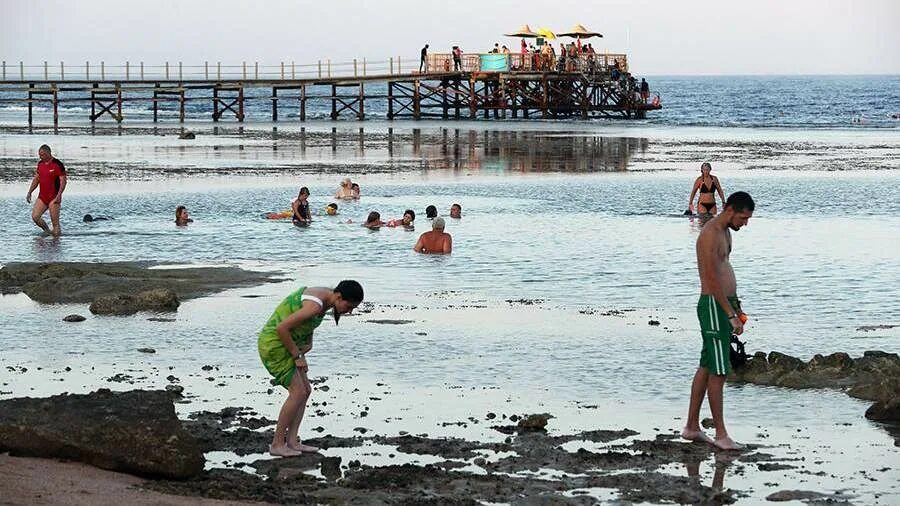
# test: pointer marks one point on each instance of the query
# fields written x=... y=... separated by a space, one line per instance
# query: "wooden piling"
x=241 y=103
x=181 y=104
x=302 y=102
x=118 y=103
x=155 y=103
x=55 y=106
x=390 y=113
x=417 y=111
x=215 y=91
x=333 y=101
x=275 y=104
x=362 y=102
x=30 y=105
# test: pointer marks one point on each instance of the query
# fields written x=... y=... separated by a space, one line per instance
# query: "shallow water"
x=582 y=223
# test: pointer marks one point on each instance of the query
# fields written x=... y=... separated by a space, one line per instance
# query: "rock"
x=83 y=282
x=806 y=495
x=187 y=134
x=74 y=318
x=391 y=322
x=175 y=389
x=330 y=467
x=534 y=422
x=885 y=411
x=135 y=432
x=653 y=322
x=707 y=423
x=160 y=299
x=146 y=350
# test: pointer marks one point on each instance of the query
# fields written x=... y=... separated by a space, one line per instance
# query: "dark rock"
x=160 y=299
x=146 y=350
x=175 y=389
x=885 y=411
x=74 y=318
x=653 y=322
x=534 y=422
x=708 y=423
x=807 y=495
x=83 y=282
x=330 y=467
x=135 y=432
x=187 y=135
x=391 y=322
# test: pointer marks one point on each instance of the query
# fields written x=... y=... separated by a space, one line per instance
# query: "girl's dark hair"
x=430 y=212
x=705 y=165
x=350 y=290
x=373 y=216
x=302 y=191
x=410 y=212
x=333 y=205
x=354 y=186
x=178 y=211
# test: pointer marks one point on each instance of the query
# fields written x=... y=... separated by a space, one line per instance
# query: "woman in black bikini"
x=707 y=185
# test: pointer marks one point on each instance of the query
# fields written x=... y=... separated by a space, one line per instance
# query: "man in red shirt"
x=51 y=177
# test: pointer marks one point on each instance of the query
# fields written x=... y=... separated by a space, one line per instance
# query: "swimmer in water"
x=345 y=192
x=708 y=185
x=409 y=216
x=89 y=218
x=300 y=208
x=182 y=218
x=430 y=212
x=331 y=209
x=373 y=222
x=435 y=242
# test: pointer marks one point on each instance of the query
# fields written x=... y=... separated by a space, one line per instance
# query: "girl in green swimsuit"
x=283 y=344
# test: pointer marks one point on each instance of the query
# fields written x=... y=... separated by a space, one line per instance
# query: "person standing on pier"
x=423 y=62
x=720 y=315
x=645 y=90
x=51 y=177
x=457 y=59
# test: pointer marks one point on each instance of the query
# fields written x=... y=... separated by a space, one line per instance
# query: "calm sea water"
x=584 y=217
x=720 y=101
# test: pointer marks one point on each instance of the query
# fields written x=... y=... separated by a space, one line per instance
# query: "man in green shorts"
x=719 y=312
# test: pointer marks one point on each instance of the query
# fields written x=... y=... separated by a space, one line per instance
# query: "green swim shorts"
x=716 y=331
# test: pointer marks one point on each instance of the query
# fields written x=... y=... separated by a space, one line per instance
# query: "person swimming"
x=331 y=209
x=373 y=222
x=707 y=185
x=345 y=192
x=89 y=218
x=409 y=216
x=300 y=208
x=430 y=212
x=354 y=191
x=182 y=218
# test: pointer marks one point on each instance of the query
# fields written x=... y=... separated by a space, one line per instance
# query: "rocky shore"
x=120 y=288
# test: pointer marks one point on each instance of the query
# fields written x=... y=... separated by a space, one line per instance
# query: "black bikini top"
x=708 y=189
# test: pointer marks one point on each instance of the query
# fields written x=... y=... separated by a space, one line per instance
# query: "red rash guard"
x=49 y=173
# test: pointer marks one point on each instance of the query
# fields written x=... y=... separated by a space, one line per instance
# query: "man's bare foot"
x=283 y=451
x=300 y=447
x=727 y=444
x=697 y=436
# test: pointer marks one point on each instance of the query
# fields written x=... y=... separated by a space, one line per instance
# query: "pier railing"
x=290 y=70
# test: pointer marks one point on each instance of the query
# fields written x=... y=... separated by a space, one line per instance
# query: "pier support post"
x=93 y=104
x=181 y=104
x=274 y=104
x=472 y=98
x=333 y=101
x=303 y=102
x=55 y=106
x=30 y=105
x=118 y=103
x=215 y=91
x=62 y=72
x=241 y=103
x=362 y=102
x=416 y=100
x=390 y=113
x=155 y=102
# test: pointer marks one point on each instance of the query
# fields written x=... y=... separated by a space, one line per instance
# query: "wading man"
x=720 y=313
x=51 y=177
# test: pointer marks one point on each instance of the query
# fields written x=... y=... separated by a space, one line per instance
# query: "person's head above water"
x=88 y=218
x=456 y=211
x=181 y=215
x=438 y=224
x=705 y=168
x=349 y=295
x=738 y=210
x=430 y=212
x=409 y=216
x=331 y=209
x=304 y=192
x=373 y=217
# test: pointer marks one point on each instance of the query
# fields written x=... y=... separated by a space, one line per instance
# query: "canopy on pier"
x=523 y=31
x=580 y=32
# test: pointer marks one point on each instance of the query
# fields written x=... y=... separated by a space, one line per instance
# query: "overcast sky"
x=661 y=37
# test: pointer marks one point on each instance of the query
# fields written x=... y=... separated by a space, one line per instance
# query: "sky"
x=684 y=37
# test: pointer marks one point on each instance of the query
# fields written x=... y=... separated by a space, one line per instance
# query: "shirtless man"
x=436 y=242
x=720 y=314
x=51 y=177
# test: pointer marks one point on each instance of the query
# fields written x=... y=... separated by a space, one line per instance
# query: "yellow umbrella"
x=546 y=34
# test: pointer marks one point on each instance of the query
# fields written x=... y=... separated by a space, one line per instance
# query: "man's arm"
x=62 y=186
x=419 y=247
x=34 y=184
x=710 y=258
x=448 y=244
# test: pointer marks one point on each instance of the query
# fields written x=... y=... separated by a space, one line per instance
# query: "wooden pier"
x=525 y=87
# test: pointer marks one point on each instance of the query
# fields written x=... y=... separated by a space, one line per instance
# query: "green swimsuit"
x=274 y=355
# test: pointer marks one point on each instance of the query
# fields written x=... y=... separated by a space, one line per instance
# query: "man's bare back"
x=434 y=242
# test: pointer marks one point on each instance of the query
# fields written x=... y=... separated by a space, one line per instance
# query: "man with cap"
x=435 y=242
